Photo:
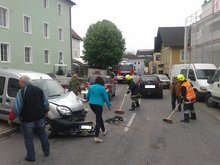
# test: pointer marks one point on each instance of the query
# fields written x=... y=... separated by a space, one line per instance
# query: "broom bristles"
x=167 y=120
x=119 y=112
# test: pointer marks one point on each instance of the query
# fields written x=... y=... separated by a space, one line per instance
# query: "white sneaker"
x=105 y=132
x=97 y=140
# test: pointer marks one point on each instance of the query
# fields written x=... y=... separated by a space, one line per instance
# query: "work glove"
x=128 y=92
x=180 y=100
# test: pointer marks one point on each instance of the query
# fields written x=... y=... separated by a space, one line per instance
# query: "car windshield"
x=50 y=87
x=92 y=79
x=163 y=77
x=205 y=73
x=148 y=78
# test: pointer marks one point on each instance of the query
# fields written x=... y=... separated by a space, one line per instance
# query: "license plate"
x=84 y=92
x=149 y=86
x=87 y=127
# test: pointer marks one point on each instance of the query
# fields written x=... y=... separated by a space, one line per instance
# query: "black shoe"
x=131 y=109
x=29 y=160
x=185 y=121
x=179 y=110
x=193 y=116
x=46 y=154
x=186 y=118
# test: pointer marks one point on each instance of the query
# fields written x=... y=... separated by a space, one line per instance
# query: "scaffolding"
x=202 y=35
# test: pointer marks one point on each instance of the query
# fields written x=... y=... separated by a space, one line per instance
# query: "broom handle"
x=122 y=102
x=173 y=111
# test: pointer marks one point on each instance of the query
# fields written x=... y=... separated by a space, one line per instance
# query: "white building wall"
x=75 y=48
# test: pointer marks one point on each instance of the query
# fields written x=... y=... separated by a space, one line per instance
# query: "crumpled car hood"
x=69 y=100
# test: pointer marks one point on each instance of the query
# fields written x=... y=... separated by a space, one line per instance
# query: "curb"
x=8 y=132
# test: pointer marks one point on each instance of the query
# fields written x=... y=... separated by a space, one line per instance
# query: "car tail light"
x=159 y=84
x=119 y=73
x=107 y=86
x=82 y=86
x=87 y=84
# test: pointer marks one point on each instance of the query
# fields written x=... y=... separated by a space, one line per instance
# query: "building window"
x=46 y=4
x=61 y=57
x=27 y=54
x=157 y=57
x=27 y=24
x=60 y=9
x=5 y=55
x=46 y=56
x=3 y=17
x=182 y=57
x=46 y=30
x=60 y=34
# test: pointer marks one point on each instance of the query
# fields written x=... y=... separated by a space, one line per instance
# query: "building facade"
x=204 y=34
x=35 y=34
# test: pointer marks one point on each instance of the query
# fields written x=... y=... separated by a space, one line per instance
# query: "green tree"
x=103 y=45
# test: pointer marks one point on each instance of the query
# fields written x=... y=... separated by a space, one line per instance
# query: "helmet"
x=128 y=77
x=181 y=77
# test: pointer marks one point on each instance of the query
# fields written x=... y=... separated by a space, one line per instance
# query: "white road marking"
x=130 y=122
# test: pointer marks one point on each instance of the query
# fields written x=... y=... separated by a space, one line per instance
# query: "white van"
x=67 y=112
x=198 y=74
x=213 y=94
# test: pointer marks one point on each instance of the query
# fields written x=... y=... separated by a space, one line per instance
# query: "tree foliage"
x=103 y=45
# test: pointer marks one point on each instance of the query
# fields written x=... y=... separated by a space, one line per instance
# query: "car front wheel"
x=51 y=134
x=209 y=101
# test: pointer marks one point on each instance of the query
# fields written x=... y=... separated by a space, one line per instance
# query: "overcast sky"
x=138 y=20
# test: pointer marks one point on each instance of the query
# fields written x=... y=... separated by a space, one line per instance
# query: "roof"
x=144 y=52
x=169 y=37
x=130 y=56
x=75 y=35
x=19 y=72
x=71 y=2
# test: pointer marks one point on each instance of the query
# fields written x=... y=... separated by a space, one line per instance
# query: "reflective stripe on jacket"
x=190 y=94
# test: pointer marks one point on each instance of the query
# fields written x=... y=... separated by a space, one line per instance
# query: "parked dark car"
x=151 y=85
x=164 y=80
x=110 y=85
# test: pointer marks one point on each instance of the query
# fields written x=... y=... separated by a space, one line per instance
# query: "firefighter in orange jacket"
x=188 y=98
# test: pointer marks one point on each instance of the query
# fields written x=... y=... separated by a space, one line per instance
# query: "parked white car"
x=213 y=95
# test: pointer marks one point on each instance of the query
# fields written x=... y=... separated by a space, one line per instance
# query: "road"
x=142 y=139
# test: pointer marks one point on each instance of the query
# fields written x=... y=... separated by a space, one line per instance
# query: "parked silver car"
x=67 y=112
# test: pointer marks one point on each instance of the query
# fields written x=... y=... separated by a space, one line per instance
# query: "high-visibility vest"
x=190 y=94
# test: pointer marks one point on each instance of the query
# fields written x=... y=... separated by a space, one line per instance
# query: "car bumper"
x=63 y=126
x=150 y=91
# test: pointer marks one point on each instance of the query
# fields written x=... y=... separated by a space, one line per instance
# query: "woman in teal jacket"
x=96 y=97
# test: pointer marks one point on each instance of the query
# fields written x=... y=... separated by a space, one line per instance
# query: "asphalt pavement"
x=6 y=130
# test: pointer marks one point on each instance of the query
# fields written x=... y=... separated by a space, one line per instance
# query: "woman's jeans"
x=28 y=129
x=98 y=109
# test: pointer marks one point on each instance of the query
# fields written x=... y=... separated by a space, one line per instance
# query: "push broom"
x=168 y=120
x=120 y=111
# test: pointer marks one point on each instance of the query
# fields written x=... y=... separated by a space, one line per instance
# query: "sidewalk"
x=6 y=130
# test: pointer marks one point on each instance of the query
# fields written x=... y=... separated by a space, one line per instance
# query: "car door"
x=8 y=89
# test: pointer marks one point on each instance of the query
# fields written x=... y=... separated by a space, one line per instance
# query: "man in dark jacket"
x=175 y=93
x=31 y=105
x=135 y=92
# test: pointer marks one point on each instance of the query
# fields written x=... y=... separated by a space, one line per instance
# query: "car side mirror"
x=210 y=81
